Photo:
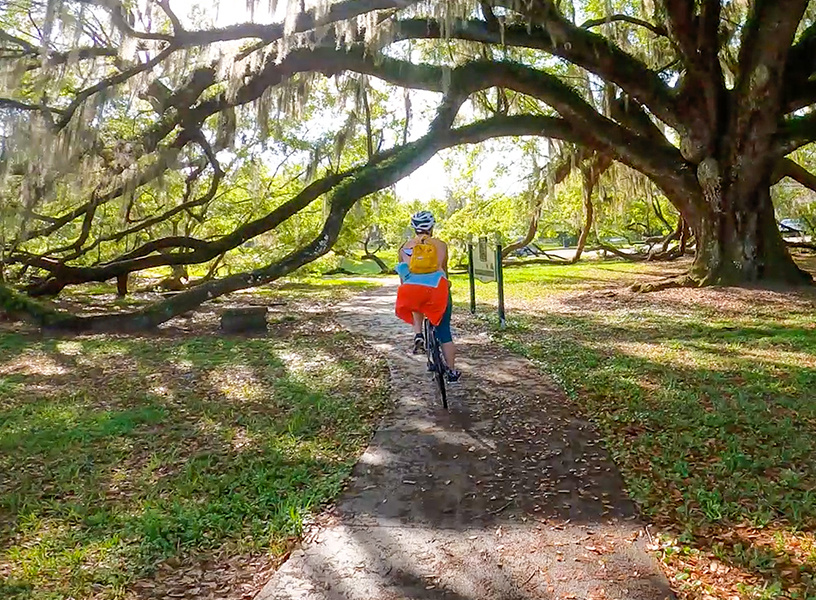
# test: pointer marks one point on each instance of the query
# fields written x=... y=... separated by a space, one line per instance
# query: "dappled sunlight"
x=69 y=347
x=301 y=363
x=143 y=448
x=162 y=391
x=237 y=383
x=183 y=364
x=741 y=563
x=240 y=439
x=33 y=363
x=376 y=457
x=705 y=397
x=711 y=356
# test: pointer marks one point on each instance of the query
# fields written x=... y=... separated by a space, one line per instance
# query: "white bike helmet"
x=423 y=221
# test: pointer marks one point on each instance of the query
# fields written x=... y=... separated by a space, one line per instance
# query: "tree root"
x=637 y=257
x=680 y=281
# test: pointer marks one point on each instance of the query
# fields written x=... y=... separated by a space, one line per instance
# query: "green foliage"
x=119 y=453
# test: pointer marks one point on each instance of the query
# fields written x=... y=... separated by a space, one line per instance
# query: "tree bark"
x=122 y=285
x=589 y=215
x=591 y=174
x=742 y=243
x=383 y=267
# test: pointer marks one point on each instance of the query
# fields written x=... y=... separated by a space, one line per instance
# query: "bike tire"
x=434 y=352
x=440 y=382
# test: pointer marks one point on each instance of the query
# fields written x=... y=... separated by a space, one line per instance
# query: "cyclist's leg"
x=418 y=317
x=445 y=336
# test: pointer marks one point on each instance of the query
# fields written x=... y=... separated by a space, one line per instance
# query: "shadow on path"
x=508 y=496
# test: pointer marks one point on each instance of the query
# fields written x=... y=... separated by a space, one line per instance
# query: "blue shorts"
x=443 y=330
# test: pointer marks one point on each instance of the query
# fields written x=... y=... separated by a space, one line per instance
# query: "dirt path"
x=507 y=496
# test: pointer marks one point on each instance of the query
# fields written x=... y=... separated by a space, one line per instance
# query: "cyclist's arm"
x=444 y=258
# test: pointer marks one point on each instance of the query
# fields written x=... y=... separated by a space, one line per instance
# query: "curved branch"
x=305 y=21
x=794 y=133
x=10 y=104
x=657 y=160
x=174 y=20
x=26 y=46
x=656 y=29
x=681 y=26
x=111 y=81
x=759 y=90
x=557 y=171
x=800 y=91
x=205 y=198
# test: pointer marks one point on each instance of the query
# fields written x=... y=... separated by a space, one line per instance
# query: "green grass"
x=706 y=401
x=118 y=453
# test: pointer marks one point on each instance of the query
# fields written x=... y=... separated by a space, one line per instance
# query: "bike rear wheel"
x=436 y=361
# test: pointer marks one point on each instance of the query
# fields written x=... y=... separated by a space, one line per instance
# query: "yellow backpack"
x=423 y=257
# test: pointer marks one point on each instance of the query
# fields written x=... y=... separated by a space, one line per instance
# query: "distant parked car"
x=792 y=227
x=528 y=251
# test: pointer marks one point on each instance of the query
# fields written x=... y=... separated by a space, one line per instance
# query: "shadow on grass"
x=117 y=453
x=712 y=424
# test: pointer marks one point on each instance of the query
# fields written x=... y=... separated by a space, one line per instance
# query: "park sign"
x=484 y=262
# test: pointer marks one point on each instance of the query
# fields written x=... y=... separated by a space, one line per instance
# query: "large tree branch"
x=659 y=161
x=112 y=81
x=766 y=41
x=681 y=25
x=60 y=58
x=10 y=104
x=139 y=259
x=600 y=56
x=369 y=179
x=800 y=90
x=27 y=47
x=794 y=133
x=305 y=21
x=555 y=172
x=790 y=168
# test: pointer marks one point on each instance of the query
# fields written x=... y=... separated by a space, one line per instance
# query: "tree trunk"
x=741 y=244
x=122 y=285
x=684 y=237
x=532 y=229
x=591 y=173
x=589 y=215
x=383 y=267
x=556 y=173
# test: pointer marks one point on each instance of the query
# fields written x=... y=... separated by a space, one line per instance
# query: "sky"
x=426 y=182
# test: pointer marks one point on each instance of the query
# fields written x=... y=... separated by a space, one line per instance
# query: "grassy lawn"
x=707 y=401
x=180 y=464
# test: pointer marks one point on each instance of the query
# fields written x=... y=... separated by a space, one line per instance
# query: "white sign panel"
x=484 y=262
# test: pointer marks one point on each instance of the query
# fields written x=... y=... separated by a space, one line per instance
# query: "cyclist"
x=425 y=289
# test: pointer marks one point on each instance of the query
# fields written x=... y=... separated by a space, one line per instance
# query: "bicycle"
x=436 y=360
